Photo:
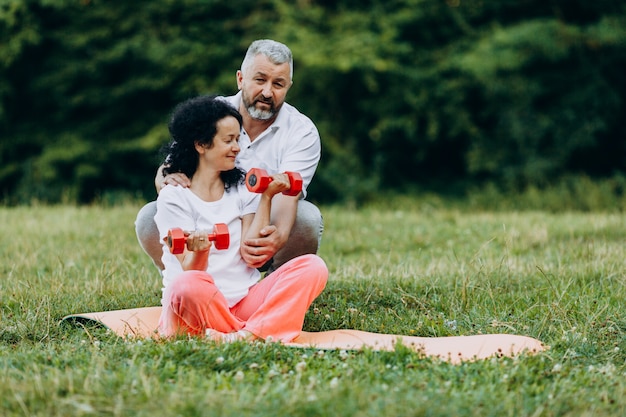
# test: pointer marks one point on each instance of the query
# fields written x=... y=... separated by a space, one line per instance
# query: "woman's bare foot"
x=220 y=337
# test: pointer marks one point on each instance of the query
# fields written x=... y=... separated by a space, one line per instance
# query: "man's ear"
x=239 y=79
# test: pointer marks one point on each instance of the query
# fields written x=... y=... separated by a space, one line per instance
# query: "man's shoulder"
x=232 y=100
x=291 y=115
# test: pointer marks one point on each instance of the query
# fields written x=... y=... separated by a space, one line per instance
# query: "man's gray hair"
x=276 y=52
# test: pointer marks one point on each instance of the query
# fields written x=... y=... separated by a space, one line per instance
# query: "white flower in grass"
x=219 y=360
x=608 y=369
x=239 y=376
x=557 y=367
x=300 y=366
x=451 y=324
x=334 y=383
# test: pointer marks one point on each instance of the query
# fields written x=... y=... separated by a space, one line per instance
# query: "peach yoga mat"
x=142 y=323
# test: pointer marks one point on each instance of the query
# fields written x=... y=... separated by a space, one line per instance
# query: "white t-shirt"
x=180 y=207
x=291 y=143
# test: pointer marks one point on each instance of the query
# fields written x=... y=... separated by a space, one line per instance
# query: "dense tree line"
x=406 y=93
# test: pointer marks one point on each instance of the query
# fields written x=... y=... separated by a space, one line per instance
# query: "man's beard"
x=257 y=113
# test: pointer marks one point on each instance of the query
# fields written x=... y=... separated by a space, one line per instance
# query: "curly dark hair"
x=195 y=121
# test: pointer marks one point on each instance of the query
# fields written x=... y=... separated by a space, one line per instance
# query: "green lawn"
x=411 y=268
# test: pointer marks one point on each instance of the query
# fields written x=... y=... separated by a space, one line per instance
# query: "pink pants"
x=274 y=307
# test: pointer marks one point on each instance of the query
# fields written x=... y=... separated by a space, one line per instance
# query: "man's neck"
x=255 y=127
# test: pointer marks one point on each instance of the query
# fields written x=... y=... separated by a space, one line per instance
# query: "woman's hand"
x=198 y=241
x=196 y=257
x=279 y=183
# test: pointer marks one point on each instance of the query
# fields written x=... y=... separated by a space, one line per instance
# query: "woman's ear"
x=200 y=147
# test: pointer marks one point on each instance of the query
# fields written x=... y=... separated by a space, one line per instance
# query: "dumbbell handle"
x=176 y=239
x=257 y=181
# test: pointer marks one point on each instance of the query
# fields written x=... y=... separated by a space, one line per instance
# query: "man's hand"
x=256 y=252
x=176 y=178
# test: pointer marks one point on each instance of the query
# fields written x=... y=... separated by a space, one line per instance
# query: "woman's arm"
x=253 y=226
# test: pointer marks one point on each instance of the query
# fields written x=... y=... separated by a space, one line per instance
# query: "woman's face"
x=222 y=154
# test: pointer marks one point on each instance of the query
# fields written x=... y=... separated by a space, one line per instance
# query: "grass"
x=408 y=267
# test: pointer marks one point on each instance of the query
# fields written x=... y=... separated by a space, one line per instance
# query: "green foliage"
x=406 y=93
x=100 y=81
x=548 y=119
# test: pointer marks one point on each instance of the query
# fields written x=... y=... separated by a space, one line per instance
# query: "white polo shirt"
x=291 y=143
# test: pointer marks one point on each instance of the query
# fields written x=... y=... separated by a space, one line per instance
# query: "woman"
x=210 y=291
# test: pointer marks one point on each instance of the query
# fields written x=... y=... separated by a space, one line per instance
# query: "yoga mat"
x=142 y=323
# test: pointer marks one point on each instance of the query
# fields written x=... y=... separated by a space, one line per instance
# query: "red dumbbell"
x=176 y=238
x=257 y=181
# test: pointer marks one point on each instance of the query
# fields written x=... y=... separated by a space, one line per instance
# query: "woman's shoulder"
x=172 y=192
x=245 y=196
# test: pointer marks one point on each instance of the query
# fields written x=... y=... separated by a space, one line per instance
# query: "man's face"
x=264 y=87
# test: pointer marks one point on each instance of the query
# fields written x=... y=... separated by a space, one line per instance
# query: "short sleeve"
x=249 y=200
x=172 y=211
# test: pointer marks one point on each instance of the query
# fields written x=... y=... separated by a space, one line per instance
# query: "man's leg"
x=148 y=234
x=305 y=237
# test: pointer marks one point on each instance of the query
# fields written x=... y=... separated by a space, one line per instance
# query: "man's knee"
x=305 y=236
x=148 y=233
x=144 y=223
x=309 y=225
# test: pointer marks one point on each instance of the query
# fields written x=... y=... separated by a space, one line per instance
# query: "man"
x=275 y=137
